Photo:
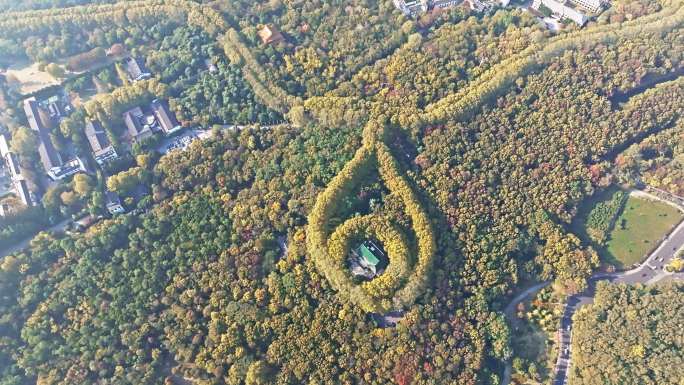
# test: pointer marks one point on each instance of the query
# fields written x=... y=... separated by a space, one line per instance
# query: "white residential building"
x=589 y=5
x=416 y=7
x=113 y=203
x=21 y=188
x=442 y=4
x=561 y=10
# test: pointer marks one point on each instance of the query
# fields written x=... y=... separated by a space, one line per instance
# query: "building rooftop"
x=368 y=256
x=270 y=34
x=133 y=118
x=113 y=203
x=371 y=260
x=85 y=222
x=562 y=10
x=48 y=155
x=13 y=164
x=136 y=70
x=23 y=192
x=67 y=169
x=112 y=198
x=167 y=120
x=96 y=136
x=4 y=146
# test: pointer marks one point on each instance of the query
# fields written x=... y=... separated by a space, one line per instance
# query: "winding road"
x=650 y=271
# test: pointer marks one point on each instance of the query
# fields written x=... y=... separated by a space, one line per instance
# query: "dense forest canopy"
x=25 y=5
x=474 y=136
x=630 y=335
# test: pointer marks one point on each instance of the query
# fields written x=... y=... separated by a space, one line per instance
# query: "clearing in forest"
x=638 y=230
x=30 y=78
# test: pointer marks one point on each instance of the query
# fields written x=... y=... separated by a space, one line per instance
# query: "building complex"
x=55 y=167
x=45 y=115
x=142 y=125
x=562 y=9
x=103 y=151
x=414 y=8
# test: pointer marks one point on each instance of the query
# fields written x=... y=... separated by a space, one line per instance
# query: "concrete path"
x=648 y=195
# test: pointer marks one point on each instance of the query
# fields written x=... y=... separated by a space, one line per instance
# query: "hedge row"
x=271 y=95
x=397 y=287
x=462 y=104
x=34 y=22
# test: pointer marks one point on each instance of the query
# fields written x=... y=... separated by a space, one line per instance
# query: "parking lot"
x=182 y=141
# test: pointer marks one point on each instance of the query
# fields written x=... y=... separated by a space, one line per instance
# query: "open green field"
x=623 y=233
x=638 y=229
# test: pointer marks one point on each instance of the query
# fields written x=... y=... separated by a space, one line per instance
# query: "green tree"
x=83 y=185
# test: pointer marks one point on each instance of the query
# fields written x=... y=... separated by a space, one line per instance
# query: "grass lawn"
x=639 y=228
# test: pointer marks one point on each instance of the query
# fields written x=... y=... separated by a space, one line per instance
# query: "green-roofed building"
x=368 y=257
x=371 y=257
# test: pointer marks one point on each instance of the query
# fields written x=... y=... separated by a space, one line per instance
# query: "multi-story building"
x=24 y=192
x=136 y=71
x=113 y=203
x=416 y=7
x=442 y=4
x=156 y=118
x=4 y=209
x=168 y=122
x=561 y=10
x=138 y=127
x=589 y=5
x=21 y=188
x=49 y=157
x=103 y=151
x=52 y=161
